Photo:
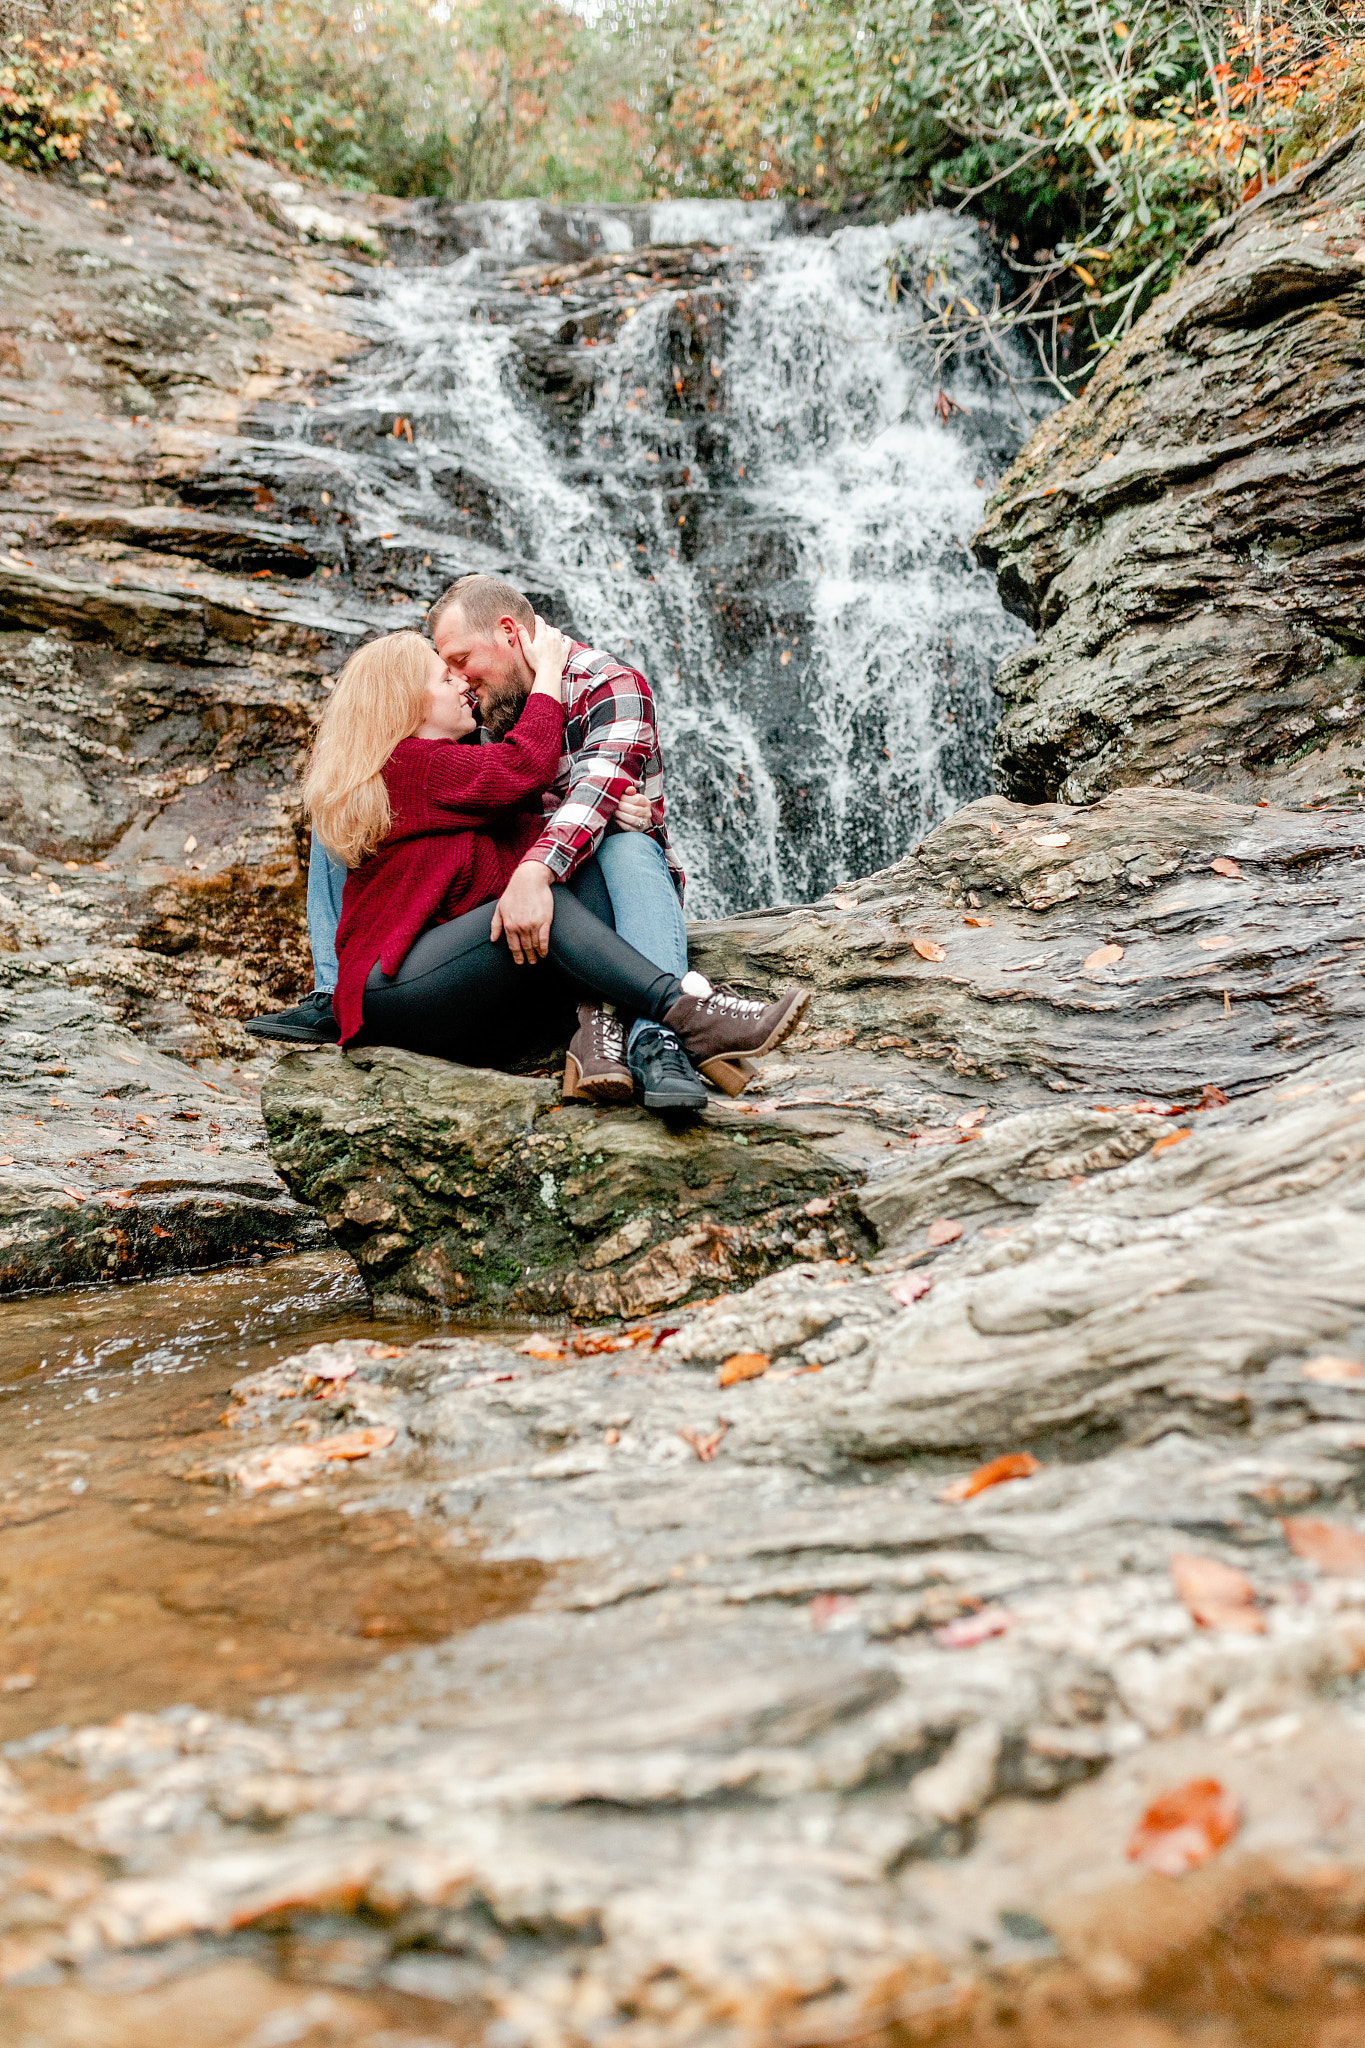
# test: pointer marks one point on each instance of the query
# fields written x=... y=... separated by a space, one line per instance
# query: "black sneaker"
x=309 y=1023
x=664 y=1076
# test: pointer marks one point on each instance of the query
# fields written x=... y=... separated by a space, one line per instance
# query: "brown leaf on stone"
x=743 y=1365
x=978 y=920
x=1333 y=1372
x=1216 y=1595
x=1333 y=1547
x=1013 y=1465
x=943 y=1230
x=1165 y=1144
x=844 y=902
x=1211 y=1097
x=1182 y=1828
x=973 y=1117
x=929 y=949
x=1103 y=956
x=1225 y=865
x=704 y=1446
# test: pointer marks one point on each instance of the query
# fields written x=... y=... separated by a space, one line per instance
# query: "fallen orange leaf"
x=978 y=920
x=929 y=949
x=1225 y=865
x=1216 y=1595
x=912 y=1288
x=743 y=1365
x=1211 y=1097
x=1333 y=1547
x=1103 y=956
x=943 y=1230
x=1053 y=839
x=1182 y=1828
x=1333 y=1372
x=541 y=1347
x=844 y=902
x=1164 y=1144
x=704 y=1446
x=972 y=1629
x=1013 y=1465
x=973 y=1117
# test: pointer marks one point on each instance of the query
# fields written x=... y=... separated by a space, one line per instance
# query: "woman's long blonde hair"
x=381 y=697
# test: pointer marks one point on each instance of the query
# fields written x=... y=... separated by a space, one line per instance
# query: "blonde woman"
x=431 y=831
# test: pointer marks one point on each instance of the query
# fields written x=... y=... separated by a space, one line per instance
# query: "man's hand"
x=524 y=913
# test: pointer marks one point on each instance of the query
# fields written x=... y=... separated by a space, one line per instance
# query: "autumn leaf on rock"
x=929 y=949
x=974 y=1628
x=913 y=1287
x=1216 y=1595
x=1052 y=839
x=1103 y=956
x=1165 y=1144
x=1211 y=1097
x=943 y=1230
x=973 y=1117
x=844 y=902
x=1334 y=1547
x=705 y=1446
x=1333 y=1372
x=978 y=920
x=541 y=1347
x=1013 y=1465
x=743 y=1365
x=1184 y=1827
x=1224 y=865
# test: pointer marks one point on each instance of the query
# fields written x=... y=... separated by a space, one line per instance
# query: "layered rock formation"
x=1185 y=537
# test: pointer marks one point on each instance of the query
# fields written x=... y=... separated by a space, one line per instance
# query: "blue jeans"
x=643 y=900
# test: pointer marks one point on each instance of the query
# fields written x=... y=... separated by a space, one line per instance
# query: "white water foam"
x=881 y=710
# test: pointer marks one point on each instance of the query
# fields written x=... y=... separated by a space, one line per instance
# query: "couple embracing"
x=489 y=849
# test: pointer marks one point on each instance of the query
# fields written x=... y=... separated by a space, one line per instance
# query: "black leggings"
x=460 y=996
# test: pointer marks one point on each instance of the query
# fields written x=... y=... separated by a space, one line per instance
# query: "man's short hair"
x=483 y=600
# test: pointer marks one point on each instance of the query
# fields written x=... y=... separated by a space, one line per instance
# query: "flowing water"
x=778 y=537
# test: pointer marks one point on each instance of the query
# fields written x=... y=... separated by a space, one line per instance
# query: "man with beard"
x=611 y=748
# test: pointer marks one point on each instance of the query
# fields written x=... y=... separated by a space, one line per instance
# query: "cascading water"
x=751 y=496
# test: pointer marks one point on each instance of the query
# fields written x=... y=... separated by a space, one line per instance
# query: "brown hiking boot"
x=595 y=1069
x=724 y=1033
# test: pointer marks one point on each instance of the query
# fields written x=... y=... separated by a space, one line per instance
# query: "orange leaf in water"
x=1216 y=1595
x=1103 y=956
x=943 y=1230
x=1333 y=1547
x=1333 y=1372
x=743 y=1365
x=1013 y=1465
x=1164 y=1144
x=1184 y=1827
x=929 y=949
x=1224 y=865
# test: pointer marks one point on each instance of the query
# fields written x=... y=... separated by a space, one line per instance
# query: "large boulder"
x=1185 y=537
x=481 y=1191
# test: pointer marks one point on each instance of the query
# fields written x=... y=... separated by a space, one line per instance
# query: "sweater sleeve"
x=467 y=784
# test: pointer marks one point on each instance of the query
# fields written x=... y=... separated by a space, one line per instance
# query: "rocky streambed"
x=893 y=1491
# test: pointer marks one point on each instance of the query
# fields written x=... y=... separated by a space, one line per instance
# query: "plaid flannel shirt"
x=610 y=740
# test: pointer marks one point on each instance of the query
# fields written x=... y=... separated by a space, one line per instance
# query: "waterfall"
x=759 y=506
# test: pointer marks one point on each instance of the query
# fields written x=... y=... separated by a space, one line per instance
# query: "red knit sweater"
x=458 y=831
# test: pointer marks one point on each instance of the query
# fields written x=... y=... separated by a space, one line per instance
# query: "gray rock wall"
x=1185 y=537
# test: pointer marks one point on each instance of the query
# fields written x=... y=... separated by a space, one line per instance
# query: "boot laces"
x=736 y=1006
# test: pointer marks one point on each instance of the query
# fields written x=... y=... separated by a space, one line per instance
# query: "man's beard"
x=500 y=704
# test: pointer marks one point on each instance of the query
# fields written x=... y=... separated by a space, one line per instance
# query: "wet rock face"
x=1184 y=538
x=479 y=1191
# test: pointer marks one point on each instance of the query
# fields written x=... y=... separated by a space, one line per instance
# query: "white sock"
x=694 y=984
